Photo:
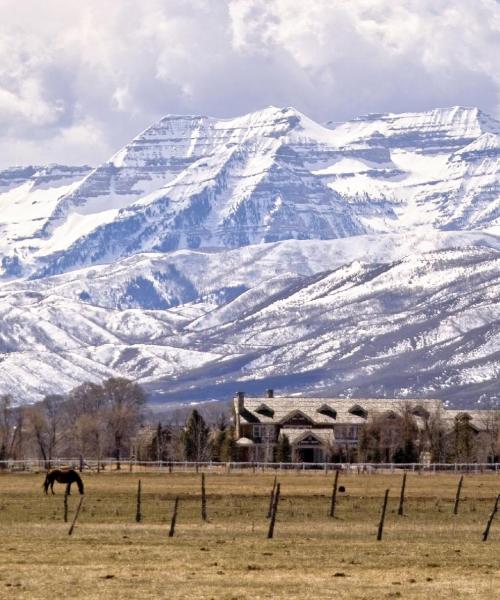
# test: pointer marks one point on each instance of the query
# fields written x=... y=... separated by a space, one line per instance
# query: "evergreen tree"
x=363 y=443
x=159 y=449
x=196 y=438
x=436 y=437
x=219 y=438
x=228 y=447
x=407 y=452
x=463 y=437
x=284 y=449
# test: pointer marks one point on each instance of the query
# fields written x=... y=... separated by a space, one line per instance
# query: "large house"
x=324 y=429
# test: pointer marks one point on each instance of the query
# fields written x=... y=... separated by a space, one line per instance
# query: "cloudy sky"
x=78 y=79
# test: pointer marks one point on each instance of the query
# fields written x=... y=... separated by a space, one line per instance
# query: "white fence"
x=108 y=465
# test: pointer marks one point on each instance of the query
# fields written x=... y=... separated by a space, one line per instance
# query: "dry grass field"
x=428 y=553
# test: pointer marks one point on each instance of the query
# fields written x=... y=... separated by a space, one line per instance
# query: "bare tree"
x=86 y=409
x=46 y=424
x=124 y=403
x=7 y=427
x=436 y=436
x=488 y=440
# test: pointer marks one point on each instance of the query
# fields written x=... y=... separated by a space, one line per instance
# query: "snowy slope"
x=190 y=325
x=27 y=197
x=266 y=250
x=166 y=280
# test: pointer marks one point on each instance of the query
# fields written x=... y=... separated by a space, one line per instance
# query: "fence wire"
x=113 y=465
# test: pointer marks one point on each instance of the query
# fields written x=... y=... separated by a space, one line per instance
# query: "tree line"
x=109 y=420
x=100 y=421
x=442 y=440
x=94 y=420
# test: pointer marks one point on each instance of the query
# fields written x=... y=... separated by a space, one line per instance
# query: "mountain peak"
x=195 y=181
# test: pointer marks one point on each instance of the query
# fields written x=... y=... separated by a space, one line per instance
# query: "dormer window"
x=358 y=411
x=419 y=411
x=296 y=419
x=328 y=411
x=265 y=410
x=464 y=417
x=390 y=414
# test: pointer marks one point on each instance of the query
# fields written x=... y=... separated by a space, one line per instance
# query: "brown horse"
x=67 y=476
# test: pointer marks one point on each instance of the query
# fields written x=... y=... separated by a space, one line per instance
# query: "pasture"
x=427 y=553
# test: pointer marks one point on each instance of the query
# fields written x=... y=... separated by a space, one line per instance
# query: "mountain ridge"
x=270 y=175
x=424 y=325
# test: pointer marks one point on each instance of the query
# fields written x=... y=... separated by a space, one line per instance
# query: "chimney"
x=241 y=401
x=270 y=393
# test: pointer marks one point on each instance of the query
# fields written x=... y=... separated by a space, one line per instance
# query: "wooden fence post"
x=70 y=532
x=174 y=518
x=138 y=515
x=490 y=520
x=334 y=494
x=457 y=497
x=402 y=497
x=66 y=505
x=271 y=499
x=382 y=517
x=270 y=533
x=203 y=498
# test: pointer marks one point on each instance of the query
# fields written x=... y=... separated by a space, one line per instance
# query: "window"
x=310 y=440
x=257 y=432
x=263 y=433
x=346 y=432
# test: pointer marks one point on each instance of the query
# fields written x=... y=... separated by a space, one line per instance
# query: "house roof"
x=295 y=436
x=480 y=420
x=284 y=406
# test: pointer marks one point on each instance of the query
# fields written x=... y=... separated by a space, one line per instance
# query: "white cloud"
x=79 y=79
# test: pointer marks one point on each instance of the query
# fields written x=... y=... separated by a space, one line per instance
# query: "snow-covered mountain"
x=200 y=182
x=358 y=257
x=191 y=324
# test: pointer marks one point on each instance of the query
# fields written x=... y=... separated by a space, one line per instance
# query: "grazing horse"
x=67 y=476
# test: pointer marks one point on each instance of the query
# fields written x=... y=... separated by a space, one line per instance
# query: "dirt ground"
x=427 y=553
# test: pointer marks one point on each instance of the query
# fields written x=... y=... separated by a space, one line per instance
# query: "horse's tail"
x=46 y=483
x=79 y=482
